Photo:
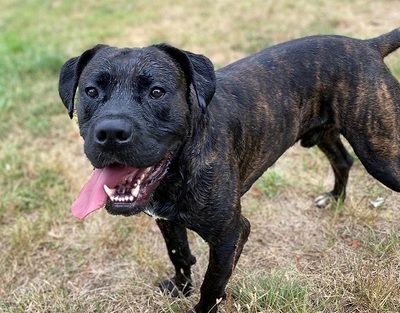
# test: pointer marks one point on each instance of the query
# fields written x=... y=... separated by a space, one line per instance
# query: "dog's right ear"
x=69 y=76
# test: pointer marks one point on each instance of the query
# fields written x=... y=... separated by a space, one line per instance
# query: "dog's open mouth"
x=123 y=189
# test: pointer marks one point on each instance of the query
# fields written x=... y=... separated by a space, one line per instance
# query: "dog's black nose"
x=112 y=132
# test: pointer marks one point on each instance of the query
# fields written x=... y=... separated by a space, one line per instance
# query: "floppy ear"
x=69 y=77
x=199 y=72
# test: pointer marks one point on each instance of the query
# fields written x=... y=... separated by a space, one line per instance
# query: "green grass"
x=51 y=262
x=383 y=246
x=271 y=182
x=276 y=292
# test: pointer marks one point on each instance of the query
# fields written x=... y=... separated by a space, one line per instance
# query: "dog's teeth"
x=142 y=177
x=148 y=169
x=131 y=198
x=135 y=191
x=110 y=192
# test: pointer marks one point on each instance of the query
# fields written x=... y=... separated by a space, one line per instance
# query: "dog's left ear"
x=199 y=71
x=69 y=77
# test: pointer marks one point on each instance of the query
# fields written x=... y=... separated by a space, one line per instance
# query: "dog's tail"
x=386 y=43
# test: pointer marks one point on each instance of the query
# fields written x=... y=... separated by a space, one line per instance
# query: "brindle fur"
x=227 y=127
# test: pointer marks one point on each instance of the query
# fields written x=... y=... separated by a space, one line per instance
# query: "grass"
x=298 y=258
x=275 y=291
x=270 y=183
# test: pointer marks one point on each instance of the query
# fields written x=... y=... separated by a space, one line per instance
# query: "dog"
x=169 y=136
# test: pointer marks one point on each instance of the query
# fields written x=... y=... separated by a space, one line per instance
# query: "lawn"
x=298 y=259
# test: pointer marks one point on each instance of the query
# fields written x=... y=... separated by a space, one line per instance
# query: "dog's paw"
x=329 y=200
x=174 y=289
x=324 y=201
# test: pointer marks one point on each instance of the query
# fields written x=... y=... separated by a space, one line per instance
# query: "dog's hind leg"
x=375 y=131
x=381 y=158
x=341 y=162
x=175 y=237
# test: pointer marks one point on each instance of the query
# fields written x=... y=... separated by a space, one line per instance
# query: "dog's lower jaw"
x=124 y=209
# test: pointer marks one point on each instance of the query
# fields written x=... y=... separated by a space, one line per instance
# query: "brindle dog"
x=173 y=138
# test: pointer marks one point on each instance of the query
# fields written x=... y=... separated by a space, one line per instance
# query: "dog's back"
x=302 y=89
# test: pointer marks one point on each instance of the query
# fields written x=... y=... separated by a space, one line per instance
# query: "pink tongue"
x=92 y=196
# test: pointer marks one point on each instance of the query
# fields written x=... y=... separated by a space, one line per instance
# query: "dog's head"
x=135 y=107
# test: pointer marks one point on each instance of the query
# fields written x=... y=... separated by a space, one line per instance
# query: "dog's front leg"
x=224 y=254
x=175 y=237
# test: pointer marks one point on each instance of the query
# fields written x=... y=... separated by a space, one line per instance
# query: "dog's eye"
x=92 y=92
x=157 y=93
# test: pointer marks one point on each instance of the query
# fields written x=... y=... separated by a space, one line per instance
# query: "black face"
x=134 y=112
x=132 y=107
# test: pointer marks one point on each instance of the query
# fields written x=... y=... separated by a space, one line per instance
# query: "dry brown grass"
x=345 y=259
